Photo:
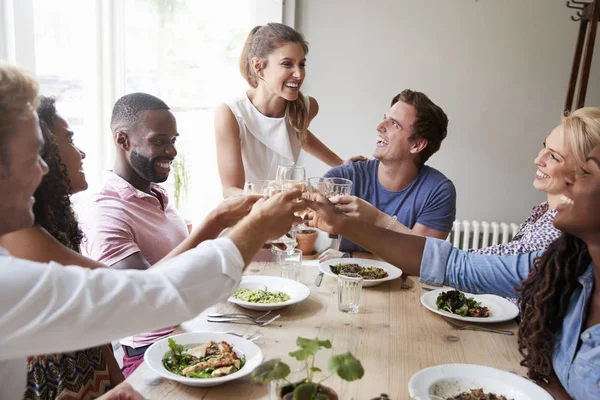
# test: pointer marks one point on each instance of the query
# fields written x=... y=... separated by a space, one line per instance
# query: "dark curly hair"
x=52 y=208
x=545 y=296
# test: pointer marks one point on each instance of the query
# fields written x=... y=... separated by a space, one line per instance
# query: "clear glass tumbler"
x=290 y=264
x=349 y=288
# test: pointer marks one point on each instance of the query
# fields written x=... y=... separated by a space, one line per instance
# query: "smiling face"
x=70 y=155
x=284 y=71
x=21 y=172
x=153 y=145
x=393 y=133
x=554 y=163
x=578 y=210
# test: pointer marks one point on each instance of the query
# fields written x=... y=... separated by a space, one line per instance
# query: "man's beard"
x=144 y=166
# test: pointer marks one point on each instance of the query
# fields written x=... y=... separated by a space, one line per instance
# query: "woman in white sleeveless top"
x=268 y=125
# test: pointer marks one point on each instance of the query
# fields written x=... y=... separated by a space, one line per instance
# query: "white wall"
x=498 y=68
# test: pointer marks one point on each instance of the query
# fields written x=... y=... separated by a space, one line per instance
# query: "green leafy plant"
x=345 y=365
x=181 y=178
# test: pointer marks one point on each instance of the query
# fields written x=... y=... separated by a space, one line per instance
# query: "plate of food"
x=486 y=308
x=373 y=272
x=203 y=358
x=473 y=382
x=258 y=292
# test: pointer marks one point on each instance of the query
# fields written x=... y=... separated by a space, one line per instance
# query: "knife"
x=319 y=279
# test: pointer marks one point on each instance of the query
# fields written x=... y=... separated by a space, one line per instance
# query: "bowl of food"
x=203 y=358
x=373 y=272
x=258 y=292
x=486 y=308
x=473 y=382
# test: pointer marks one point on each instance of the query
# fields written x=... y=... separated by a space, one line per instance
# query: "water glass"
x=290 y=173
x=339 y=187
x=290 y=263
x=349 y=288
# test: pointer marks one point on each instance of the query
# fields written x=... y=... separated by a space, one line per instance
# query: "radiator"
x=467 y=235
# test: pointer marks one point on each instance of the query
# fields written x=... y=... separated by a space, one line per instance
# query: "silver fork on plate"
x=476 y=328
x=248 y=336
x=238 y=315
x=238 y=319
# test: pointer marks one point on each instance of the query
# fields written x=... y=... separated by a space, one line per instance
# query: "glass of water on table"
x=349 y=291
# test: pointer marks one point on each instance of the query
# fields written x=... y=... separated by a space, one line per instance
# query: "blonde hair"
x=262 y=41
x=18 y=101
x=582 y=132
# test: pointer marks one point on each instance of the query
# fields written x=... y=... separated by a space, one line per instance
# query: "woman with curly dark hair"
x=80 y=374
x=559 y=335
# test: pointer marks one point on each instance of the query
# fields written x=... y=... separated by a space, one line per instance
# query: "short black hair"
x=127 y=111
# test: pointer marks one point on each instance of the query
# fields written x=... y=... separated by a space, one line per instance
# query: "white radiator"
x=467 y=235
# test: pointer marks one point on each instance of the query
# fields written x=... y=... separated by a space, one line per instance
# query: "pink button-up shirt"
x=122 y=220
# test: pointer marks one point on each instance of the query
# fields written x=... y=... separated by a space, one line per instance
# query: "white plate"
x=500 y=308
x=296 y=290
x=393 y=272
x=155 y=353
x=451 y=379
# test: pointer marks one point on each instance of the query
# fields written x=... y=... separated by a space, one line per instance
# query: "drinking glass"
x=349 y=288
x=339 y=187
x=290 y=173
x=320 y=185
x=290 y=264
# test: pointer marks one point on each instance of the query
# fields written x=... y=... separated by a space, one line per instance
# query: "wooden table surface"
x=393 y=336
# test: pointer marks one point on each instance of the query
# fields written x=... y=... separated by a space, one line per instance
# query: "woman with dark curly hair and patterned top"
x=81 y=374
x=559 y=335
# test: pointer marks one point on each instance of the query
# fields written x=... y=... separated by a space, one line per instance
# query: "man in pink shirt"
x=131 y=224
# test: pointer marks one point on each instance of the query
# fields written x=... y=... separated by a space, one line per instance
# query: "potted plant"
x=306 y=239
x=344 y=365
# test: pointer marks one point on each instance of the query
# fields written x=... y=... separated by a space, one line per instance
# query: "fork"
x=258 y=323
x=476 y=328
x=238 y=315
x=248 y=336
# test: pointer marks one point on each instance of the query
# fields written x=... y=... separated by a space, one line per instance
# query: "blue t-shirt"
x=429 y=200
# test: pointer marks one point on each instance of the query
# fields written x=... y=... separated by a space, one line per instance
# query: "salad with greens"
x=455 y=302
x=262 y=296
x=208 y=360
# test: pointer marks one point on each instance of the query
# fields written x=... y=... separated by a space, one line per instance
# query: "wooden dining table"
x=392 y=335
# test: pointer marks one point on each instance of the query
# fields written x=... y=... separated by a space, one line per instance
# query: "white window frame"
x=17 y=46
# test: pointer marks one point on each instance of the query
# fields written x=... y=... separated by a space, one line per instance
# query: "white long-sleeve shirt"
x=49 y=308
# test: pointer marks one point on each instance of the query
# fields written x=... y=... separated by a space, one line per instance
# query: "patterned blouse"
x=535 y=234
x=78 y=375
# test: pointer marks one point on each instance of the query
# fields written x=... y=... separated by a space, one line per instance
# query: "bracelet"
x=389 y=225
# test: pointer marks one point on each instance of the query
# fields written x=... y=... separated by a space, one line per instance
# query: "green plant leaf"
x=301 y=354
x=346 y=366
x=309 y=347
x=320 y=396
x=270 y=371
x=305 y=391
x=315 y=369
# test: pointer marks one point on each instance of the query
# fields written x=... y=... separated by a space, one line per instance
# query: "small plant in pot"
x=346 y=366
x=306 y=239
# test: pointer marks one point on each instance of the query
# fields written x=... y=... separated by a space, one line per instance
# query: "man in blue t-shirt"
x=397 y=182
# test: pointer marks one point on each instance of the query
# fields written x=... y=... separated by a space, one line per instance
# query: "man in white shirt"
x=48 y=308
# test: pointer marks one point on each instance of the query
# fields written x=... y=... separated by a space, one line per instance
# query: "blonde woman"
x=268 y=125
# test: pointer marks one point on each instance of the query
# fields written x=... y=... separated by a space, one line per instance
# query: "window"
x=89 y=53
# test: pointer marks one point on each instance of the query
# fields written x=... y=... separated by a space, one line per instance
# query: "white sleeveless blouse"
x=266 y=142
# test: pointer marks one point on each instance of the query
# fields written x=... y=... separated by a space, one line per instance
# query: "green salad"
x=208 y=360
x=262 y=296
x=455 y=302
